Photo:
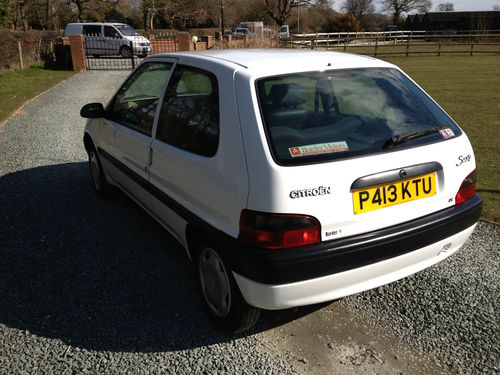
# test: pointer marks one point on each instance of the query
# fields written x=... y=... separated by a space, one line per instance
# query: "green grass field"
x=468 y=88
x=18 y=86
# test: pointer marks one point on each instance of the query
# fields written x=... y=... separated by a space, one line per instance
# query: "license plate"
x=393 y=193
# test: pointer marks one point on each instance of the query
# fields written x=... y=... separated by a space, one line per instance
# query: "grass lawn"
x=468 y=88
x=17 y=87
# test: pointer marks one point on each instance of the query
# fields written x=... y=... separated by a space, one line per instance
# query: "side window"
x=92 y=30
x=110 y=32
x=135 y=103
x=189 y=116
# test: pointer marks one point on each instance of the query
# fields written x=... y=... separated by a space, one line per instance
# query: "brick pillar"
x=208 y=40
x=184 y=42
x=229 y=40
x=78 y=52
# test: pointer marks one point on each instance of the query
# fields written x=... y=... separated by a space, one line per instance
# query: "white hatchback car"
x=290 y=177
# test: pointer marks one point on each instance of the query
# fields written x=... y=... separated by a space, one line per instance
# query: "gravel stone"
x=90 y=286
x=93 y=286
x=448 y=312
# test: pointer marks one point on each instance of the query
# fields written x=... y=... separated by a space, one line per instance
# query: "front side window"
x=135 y=103
x=189 y=115
x=127 y=30
x=318 y=116
x=110 y=32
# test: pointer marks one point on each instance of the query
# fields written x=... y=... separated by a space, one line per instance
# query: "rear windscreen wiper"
x=398 y=139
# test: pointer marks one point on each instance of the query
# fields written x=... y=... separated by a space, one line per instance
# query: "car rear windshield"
x=321 y=116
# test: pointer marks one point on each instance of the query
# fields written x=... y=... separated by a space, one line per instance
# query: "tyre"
x=220 y=293
x=101 y=186
x=125 y=51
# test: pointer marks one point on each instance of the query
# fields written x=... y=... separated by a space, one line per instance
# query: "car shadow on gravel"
x=99 y=274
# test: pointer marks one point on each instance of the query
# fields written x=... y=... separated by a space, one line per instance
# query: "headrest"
x=287 y=95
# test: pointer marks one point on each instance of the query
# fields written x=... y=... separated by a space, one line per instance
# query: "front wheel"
x=125 y=51
x=220 y=294
x=101 y=186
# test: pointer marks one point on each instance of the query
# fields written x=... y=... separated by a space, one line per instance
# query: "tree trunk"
x=152 y=12
x=397 y=14
x=48 y=15
x=151 y=21
x=20 y=15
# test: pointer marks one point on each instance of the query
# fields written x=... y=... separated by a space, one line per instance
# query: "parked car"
x=284 y=32
x=290 y=177
x=392 y=28
x=239 y=32
x=103 y=38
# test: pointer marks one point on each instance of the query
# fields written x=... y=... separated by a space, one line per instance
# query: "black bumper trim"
x=308 y=262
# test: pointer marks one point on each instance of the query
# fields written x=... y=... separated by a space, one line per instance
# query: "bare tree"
x=279 y=10
x=446 y=7
x=496 y=7
x=358 y=8
x=397 y=7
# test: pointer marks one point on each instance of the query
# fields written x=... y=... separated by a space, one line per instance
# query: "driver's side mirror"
x=92 y=110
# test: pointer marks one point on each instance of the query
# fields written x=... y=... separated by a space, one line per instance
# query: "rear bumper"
x=330 y=287
x=259 y=269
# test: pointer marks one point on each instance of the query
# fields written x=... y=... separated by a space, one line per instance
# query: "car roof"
x=283 y=59
x=96 y=23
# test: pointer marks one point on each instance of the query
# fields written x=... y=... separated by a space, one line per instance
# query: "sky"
x=466 y=5
x=460 y=5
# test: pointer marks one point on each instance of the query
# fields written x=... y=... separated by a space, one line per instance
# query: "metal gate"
x=105 y=53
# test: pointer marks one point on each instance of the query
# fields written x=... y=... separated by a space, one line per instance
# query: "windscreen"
x=126 y=30
x=319 y=116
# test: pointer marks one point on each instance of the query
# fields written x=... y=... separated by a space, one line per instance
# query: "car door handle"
x=150 y=157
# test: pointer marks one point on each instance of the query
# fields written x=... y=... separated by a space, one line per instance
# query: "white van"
x=103 y=38
x=284 y=32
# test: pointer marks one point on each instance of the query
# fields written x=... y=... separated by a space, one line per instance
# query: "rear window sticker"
x=447 y=133
x=320 y=148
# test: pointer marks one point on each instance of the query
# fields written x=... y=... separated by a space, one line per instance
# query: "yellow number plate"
x=393 y=193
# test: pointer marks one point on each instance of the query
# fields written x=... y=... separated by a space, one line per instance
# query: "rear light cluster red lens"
x=278 y=231
x=468 y=188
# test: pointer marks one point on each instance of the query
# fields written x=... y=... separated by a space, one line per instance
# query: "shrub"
x=36 y=47
x=342 y=22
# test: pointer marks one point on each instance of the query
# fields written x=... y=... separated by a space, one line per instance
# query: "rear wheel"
x=220 y=294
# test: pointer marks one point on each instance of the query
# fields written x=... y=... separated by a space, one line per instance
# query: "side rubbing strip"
x=157 y=193
x=126 y=170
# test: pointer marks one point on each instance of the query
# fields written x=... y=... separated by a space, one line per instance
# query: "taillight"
x=277 y=231
x=468 y=188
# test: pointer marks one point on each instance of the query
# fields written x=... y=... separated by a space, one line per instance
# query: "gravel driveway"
x=93 y=286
